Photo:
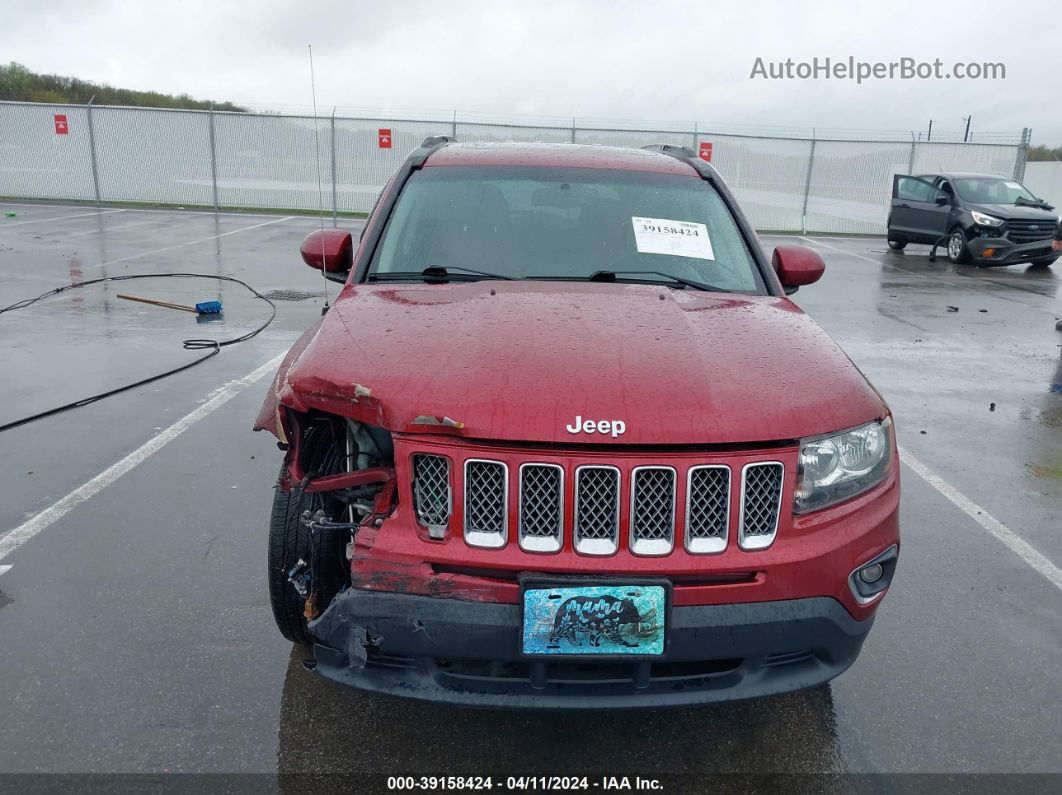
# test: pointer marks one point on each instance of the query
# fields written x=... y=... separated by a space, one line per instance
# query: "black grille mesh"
x=596 y=515
x=431 y=489
x=485 y=497
x=653 y=509
x=763 y=486
x=709 y=502
x=541 y=501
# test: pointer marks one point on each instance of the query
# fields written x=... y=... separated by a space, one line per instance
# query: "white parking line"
x=192 y=242
x=18 y=536
x=108 y=229
x=6 y=224
x=816 y=242
x=1015 y=543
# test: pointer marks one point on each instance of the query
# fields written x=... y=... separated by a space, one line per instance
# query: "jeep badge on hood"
x=615 y=427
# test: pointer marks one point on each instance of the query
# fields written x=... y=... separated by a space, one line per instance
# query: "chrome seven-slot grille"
x=652 y=493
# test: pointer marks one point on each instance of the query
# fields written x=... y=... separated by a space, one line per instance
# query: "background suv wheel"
x=957 y=249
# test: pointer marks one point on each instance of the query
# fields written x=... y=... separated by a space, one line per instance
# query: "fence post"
x=573 y=129
x=1022 y=154
x=92 y=150
x=332 y=138
x=807 y=187
x=453 y=127
x=911 y=157
x=694 y=147
x=213 y=158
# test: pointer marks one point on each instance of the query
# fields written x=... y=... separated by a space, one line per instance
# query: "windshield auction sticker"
x=677 y=238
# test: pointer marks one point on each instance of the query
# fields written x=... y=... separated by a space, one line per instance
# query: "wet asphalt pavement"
x=135 y=628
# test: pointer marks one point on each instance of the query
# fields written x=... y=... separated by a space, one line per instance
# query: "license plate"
x=594 y=619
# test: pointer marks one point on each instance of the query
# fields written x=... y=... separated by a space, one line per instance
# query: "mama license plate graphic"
x=594 y=619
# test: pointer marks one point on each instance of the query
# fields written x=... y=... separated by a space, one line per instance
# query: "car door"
x=919 y=210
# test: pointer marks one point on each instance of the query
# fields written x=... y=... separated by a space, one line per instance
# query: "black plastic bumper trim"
x=453 y=651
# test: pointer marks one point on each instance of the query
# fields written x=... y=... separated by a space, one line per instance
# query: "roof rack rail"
x=430 y=145
x=680 y=152
x=435 y=141
x=687 y=156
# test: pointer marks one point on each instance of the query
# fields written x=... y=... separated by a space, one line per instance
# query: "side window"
x=915 y=189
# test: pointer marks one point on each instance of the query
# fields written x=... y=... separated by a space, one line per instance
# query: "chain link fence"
x=269 y=161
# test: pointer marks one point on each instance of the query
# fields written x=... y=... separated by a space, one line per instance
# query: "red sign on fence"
x=384 y=138
x=60 y=124
x=705 y=152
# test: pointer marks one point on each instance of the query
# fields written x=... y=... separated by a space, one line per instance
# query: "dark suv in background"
x=985 y=219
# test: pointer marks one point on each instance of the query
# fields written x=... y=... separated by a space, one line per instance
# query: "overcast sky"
x=637 y=60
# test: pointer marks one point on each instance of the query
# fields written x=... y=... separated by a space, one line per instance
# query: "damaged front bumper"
x=1001 y=251
x=455 y=651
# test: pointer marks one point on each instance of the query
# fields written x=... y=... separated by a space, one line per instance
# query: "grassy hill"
x=20 y=84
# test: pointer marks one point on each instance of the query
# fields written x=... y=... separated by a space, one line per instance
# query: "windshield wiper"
x=610 y=276
x=438 y=273
x=1021 y=201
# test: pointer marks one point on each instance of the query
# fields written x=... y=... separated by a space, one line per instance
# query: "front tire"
x=289 y=542
x=897 y=245
x=958 y=251
x=324 y=552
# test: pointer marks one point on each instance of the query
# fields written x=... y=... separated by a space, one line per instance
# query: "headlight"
x=835 y=468
x=985 y=220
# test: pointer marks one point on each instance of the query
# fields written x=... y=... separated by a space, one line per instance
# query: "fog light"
x=990 y=252
x=871 y=574
x=870 y=580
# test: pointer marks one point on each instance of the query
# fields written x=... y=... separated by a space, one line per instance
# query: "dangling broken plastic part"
x=309 y=610
x=446 y=422
x=299 y=577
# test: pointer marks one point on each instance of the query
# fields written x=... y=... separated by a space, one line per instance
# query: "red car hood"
x=521 y=361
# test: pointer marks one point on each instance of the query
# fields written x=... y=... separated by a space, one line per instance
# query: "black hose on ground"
x=213 y=346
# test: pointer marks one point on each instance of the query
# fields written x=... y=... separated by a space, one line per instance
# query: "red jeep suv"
x=563 y=441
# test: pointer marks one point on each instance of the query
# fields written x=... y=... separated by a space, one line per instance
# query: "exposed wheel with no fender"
x=290 y=542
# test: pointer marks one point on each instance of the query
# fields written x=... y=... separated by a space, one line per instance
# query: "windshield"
x=992 y=190
x=546 y=223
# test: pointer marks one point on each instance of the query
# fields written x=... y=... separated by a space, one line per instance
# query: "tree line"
x=17 y=83
x=1037 y=153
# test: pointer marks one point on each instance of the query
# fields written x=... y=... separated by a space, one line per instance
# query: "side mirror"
x=330 y=250
x=797 y=266
x=942 y=199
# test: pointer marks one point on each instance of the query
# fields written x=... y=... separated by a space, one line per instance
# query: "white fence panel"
x=767 y=175
x=851 y=184
x=37 y=162
x=156 y=156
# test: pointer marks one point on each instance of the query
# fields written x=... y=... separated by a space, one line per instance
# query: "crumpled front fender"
x=269 y=415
